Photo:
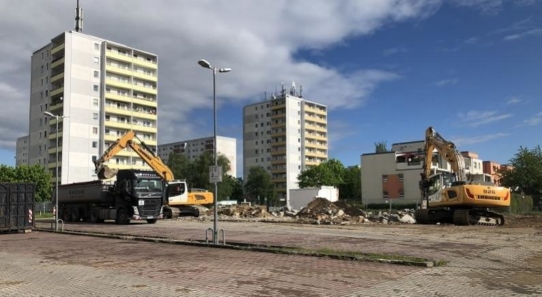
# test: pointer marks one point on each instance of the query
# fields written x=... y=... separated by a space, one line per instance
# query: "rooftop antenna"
x=283 y=90
x=78 y=18
x=300 y=91
x=292 y=90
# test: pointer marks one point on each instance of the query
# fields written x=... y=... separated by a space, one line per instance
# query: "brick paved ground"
x=483 y=260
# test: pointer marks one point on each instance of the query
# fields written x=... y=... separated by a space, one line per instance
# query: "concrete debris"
x=319 y=211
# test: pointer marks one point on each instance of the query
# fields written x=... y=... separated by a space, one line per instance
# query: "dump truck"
x=178 y=200
x=135 y=195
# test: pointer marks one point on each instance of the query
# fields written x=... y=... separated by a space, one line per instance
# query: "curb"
x=246 y=247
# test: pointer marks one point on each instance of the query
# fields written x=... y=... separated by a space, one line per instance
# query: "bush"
x=521 y=203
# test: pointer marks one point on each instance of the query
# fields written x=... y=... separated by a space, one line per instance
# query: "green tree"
x=526 y=172
x=238 y=192
x=259 y=185
x=196 y=172
x=381 y=147
x=35 y=174
x=351 y=187
x=328 y=173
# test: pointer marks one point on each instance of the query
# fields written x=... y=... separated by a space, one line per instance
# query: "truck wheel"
x=65 y=215
x=122 y=216
x=94 y=215
x=74 y=215
x=152 y=221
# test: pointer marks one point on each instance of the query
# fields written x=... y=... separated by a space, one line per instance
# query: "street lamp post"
x=57 y=117
x=205 y=64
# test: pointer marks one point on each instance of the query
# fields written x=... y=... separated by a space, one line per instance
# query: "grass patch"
x=44 y=215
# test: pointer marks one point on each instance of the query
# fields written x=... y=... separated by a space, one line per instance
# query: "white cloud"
x=258 y=39
x=533 y=32
x=477 y=139
x=393 y=51
x=534 y=121
x=518 y=26
x=472 y=40
x=485 y=6
x=514 y=100
x=475 y=118
x=446 y=82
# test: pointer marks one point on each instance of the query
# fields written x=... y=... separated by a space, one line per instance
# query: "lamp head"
x=203 y=63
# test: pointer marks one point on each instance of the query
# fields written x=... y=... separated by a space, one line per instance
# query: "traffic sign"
x=215 y=174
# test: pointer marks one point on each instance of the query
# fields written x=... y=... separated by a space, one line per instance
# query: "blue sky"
x=470 y=69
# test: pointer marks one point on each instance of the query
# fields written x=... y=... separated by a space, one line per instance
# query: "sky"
x=386 y=69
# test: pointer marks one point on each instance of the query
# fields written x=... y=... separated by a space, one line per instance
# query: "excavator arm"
x=142 y=150
x=447 y=150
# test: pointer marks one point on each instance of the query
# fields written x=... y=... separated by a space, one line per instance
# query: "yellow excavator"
x=450 y=197
x=178 y=200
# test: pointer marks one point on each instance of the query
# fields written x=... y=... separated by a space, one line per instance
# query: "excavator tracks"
x=477 y=217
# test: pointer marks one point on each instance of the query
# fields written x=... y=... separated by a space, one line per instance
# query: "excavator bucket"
x=104 y=172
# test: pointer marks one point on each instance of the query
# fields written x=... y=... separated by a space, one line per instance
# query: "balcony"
x=278 y=143
x=145 y=76
x=57 y=91
x=139 y=113
x=57 y=48
x=141 y=128
x=52 y=135
x=57 y=63
x=278 y=170
x=118 y=70
x=111 y=137
x=145 y=102
x=144 y=62
x=312 y=163
x=315 y=136
x=122 y=125
x=118 y=97
x=52 y=150
x=116 y=110
x=278 y=162
x=316 y=119
x=56 y=107
x=408 y=165
x=278 y=134
x=315 y=110
x=278 y=106
x=278 y=116
x=118 y=84
x=278 y=125
x=315 y=128
x=52 y=121
x=144 y=89
x=120 y=57
x=57 y=77
x=279 y=180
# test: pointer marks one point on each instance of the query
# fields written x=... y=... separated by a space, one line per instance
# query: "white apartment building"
x=284 y=135
x=21 y=158
x=102 y=89
x=193 y=148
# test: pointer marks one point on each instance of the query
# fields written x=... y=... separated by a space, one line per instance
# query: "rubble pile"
x=318 y=211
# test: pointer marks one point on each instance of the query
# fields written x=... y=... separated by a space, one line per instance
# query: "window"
x=45 y=134
x=46 y=79
x=96 y=74
x=384 y=194
x=42 y=81
x=384 y=178
x=95 y=88
x=256 y=152
x=46 y=93
x=94 y=144
x=94 y=158
x=400 y=177
x=41 y=95
x=94 y=130
x=96 y=60
x=96 y=47
x=95 y=102
x=95 y=116
x=256 y=125
x=47 y=66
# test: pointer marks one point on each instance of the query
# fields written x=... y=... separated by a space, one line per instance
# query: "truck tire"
x=65 y=215
x=195 y=212
x=74 y=215
x=152 y=221
x=94 y=215
x=122 y=216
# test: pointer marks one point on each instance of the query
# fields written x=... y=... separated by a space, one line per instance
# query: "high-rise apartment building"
x=193 y=148
x=102 y=89
x=284 y=135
